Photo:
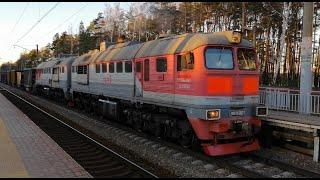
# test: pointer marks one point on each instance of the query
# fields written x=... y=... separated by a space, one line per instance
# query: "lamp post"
x=306 y=55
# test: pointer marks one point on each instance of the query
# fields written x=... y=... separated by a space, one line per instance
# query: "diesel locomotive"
x=191 y=88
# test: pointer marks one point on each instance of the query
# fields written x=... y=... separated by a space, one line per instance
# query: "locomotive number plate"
x=237 y=113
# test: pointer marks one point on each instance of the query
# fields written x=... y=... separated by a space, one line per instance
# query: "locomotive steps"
x=162 y=158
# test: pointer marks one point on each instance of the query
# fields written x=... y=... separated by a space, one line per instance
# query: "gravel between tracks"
x=290 y=157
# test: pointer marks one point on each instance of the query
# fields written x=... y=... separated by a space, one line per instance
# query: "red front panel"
x=201 y=81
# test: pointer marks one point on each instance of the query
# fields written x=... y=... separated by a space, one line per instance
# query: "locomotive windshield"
x=219 y=58
x=246 y=59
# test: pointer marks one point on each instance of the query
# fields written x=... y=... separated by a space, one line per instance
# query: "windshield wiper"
x=220 y=54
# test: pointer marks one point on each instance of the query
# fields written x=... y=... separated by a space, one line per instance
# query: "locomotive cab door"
x=139 y=78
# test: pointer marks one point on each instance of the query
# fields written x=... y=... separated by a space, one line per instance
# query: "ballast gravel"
x=290 y=157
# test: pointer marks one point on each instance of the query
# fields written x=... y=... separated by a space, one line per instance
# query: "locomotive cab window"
x=62 y=69
x=111 y=67
x=219 y=58
x=104 y=67
x=185 y=62
x=97 y=68
x=246 y=59
x=73 y=69
x=161 y=65
x=119 y=67
x=128 y=66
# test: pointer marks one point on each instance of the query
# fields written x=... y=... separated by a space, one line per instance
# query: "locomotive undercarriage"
x=56 y=94
x=161 y=122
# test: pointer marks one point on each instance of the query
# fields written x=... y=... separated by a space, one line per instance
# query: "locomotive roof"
x=184 y=43
x=86 y=58
x=48 y=64
x=122 y=51
x=170 y=45
x=65 y=61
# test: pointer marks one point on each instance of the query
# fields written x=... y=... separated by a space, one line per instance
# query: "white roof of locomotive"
x=121 y=51
x=86 y=58
x=65 y=61
x=169 y=45
x=48 y=64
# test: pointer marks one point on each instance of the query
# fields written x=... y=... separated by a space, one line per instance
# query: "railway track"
x=251 y=165
x=263 y=167
x=243 y=165
x=98 y=160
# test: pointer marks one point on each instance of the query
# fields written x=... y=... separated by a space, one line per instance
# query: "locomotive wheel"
x=186 y=139
x=186 y=133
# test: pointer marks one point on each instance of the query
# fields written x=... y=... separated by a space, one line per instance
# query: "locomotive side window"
x=218 y=58
x=104 y=67
x=119 y=67
x=138 y=67
x=128 y=66
x=84 y=69
x=185 y=62
x=146 y=70
x=80 y=70
x=111 y=67
x=161 y=65
x=97 y=68
x=246 y=59
x=55 y=70
x=62 y=69
x=73 y=69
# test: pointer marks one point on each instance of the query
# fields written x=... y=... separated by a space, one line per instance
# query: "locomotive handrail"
x=286 y=89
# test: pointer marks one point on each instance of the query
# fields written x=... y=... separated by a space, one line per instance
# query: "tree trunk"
x=244 y=18
x=286 y=8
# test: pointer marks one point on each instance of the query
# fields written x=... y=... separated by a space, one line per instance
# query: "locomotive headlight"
x=213 y=114
x=261 y=111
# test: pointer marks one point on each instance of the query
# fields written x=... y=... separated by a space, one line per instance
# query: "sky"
x=17 y=18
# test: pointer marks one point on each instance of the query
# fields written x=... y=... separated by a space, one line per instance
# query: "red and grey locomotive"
x=195 y=86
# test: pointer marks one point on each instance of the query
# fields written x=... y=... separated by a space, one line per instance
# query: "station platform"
x=296 y=121
x=26 y=151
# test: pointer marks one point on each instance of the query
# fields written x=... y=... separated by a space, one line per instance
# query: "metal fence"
x=289 y=100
